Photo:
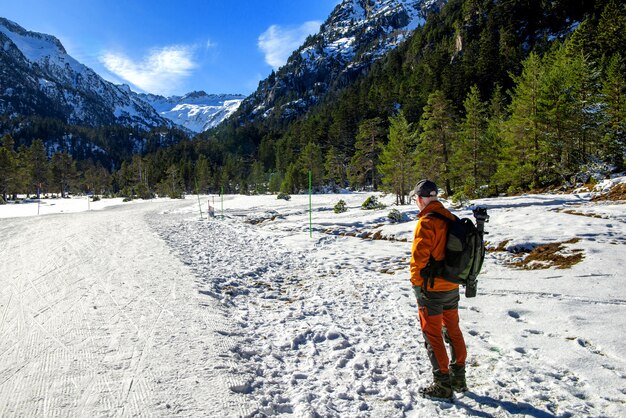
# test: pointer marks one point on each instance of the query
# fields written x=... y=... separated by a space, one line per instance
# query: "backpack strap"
x=440 y=216
x=432 y=269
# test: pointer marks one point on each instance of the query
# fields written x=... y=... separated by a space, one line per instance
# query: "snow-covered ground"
x=145 y=309
x=46 y=206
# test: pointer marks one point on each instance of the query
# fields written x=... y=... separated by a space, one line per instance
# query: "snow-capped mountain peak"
x=35 y=46
x=196 y=111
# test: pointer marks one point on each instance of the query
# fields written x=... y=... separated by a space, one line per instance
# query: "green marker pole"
x=310 y=209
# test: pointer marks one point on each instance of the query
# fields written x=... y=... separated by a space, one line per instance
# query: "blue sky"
x=174 y=47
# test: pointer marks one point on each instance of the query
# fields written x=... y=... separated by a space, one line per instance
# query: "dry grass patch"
x=500 y=247
x=550 y=255
x=589 y=215
x=617 y=192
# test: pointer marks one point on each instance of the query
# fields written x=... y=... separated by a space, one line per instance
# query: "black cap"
x=426 y=188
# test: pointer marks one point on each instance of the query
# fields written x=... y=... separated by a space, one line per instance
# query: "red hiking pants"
x=439 y=319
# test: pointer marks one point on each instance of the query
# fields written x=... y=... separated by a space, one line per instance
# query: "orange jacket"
x=430 y=239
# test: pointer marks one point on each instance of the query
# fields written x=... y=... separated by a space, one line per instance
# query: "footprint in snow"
x=516 y=315
x=589 y=346
x=529 y=332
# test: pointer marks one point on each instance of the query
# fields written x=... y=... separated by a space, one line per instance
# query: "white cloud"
x=278 y=42
x=160 y=72
x=210 y=44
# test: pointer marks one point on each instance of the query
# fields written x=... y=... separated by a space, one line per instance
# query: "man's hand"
x=418 y=292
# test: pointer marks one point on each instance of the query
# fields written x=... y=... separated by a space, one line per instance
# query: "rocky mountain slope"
x=40 y=78
x=356 y=34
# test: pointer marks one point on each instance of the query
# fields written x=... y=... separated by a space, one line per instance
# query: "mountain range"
x=40 y=78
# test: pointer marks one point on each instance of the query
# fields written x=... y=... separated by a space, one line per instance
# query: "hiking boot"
x=457 y=378
x=440 y=388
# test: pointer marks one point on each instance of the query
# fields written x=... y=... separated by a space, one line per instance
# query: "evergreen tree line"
x=43 y=155
x=187 y=167
x=29 y=170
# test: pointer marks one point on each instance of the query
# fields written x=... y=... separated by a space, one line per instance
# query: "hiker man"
x=437 y=298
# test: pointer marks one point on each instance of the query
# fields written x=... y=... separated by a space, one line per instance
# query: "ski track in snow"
x=133 y=311
x=99 y=319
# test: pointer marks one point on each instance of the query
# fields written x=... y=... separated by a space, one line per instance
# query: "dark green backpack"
x=465 y=252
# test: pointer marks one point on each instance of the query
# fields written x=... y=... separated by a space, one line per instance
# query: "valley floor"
x=148 y=310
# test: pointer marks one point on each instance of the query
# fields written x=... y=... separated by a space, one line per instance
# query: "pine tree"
x=521 y=151
x=134 y=178
x=494 y=138
x=369 y=141
x=469 y=161
x=172 y=185
x=488 y=65
x=187 y=173
x=40 y=166
x=614 y=102
x=434 y=150
x=202 y=174
x=335 y=168
x=256 y=180
x=7 y=173
x=267 y=152
x=275 y=182
x=125 y=180
x=557 y=131
x=311 y=160
x=285 y=153
x=586 y=78
x=96 y=179
x=8 y=167
x=231 y=174
x=292 y=182
x=23 y=183
x=611 y=33
x=396 y=161
x=64 y=173
x=341 y=132
x=584 y=40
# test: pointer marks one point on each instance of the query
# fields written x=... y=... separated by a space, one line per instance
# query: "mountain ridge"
x=355 y=35
x=77 y=94
x=42 y=79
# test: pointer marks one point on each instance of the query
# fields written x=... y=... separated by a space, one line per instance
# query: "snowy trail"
x=328 y=326
x=98 y=318
x=301 y=348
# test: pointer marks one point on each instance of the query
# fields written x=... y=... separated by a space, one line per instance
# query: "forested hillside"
x=486 y=97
